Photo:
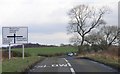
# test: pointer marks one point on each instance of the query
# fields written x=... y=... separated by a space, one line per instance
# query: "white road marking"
x=69 y=64
x=71 y=69
x=55 y=65
x=58 y=65
x=44 y=66
x=65 y=60
x=63 y=65
x=39 y=66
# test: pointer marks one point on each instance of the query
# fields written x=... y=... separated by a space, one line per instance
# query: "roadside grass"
x=0 y=67
x=0 y=60
x=18 y=64
x=47 y=50
x=110 y=60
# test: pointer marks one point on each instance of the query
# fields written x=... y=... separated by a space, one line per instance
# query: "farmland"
x=47 y=50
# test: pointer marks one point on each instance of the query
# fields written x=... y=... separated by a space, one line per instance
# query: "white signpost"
x=14 y=35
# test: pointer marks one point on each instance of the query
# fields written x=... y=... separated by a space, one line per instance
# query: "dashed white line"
x=39 y=66
x=55 y=65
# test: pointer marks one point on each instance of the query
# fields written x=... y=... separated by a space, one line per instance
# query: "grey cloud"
x=47 y=29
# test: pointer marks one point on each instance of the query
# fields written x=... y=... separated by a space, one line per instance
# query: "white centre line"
x=69 y=64
x=65 y=60
x=71 y=69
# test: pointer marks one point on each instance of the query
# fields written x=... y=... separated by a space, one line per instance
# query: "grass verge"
x=104 y=59
x=0 y=67
x=18 y=64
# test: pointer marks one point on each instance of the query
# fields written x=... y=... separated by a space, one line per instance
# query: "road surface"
x=69 y=65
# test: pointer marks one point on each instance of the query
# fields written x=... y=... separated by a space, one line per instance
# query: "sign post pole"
x=23 y=50
x=9 y=51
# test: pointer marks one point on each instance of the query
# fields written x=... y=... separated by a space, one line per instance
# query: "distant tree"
x=83 y=19
x=94 y=38
x=110 y=34
x=105 y=37
x=76 y=40
x=61 y=44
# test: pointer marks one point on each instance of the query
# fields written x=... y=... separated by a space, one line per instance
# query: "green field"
x=47 y=50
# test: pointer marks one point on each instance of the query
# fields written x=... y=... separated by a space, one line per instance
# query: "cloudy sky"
x=47 y=19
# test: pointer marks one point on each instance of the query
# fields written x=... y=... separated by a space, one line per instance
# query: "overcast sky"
x=47 y=19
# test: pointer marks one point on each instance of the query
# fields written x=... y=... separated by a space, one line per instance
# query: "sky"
x=47 y=19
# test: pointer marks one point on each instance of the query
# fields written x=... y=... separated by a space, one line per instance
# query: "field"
x=47 y=50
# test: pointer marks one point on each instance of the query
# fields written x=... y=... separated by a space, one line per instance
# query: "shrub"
x=19 y=54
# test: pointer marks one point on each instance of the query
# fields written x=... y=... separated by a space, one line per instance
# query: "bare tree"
x=76 y=40
x=118 y=38
x=105 y=37
x=83 y=19
x=111 y=34
x=94 y=38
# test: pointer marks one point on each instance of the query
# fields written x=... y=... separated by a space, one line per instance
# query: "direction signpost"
x=14 y=35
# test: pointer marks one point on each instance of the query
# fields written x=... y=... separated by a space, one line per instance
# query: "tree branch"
x=93 y=25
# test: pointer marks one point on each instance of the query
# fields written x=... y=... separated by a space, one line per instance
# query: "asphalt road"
x=69 y=65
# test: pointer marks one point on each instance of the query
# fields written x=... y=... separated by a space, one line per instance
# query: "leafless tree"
x=83 y=19
x=105 y=37
x=75 y=39
x=118 y=38
x=111 y=34
x=94 y=38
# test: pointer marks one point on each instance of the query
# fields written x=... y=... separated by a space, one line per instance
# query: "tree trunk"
x=80 y=48
x=82 y=40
